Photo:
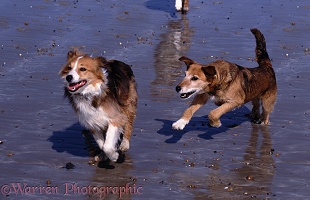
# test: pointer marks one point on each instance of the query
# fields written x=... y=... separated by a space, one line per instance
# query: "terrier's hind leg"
x=268 y=101
x=255 y=113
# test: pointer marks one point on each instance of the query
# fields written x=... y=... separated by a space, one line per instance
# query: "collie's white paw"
x=112 y=155
x=124 y=145
x=100 y=157
x=180 y=124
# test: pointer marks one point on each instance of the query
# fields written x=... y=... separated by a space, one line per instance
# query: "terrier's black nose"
x=178 y=88
x=69 y=78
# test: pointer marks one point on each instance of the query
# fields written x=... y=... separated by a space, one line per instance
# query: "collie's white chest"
x=89 y=116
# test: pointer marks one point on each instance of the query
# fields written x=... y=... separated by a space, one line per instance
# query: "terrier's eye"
x=83 y=69
x=194 y=78
x=69 y=67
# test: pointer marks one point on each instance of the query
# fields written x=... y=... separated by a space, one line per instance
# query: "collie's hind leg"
x=130 y=113
x=125 y=144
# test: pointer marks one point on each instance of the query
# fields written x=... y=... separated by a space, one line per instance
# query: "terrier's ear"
x=209 y=70
x=102 y=61
x=187 y=61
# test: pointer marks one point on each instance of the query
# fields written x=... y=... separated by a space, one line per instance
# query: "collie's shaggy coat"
x=229 y=85
x=103 y=94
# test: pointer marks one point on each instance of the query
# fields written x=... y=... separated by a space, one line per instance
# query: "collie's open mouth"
x=72 y=87
x=187 y=95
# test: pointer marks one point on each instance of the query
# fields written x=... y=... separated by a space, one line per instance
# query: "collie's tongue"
x=73 y=87
x=76 y=86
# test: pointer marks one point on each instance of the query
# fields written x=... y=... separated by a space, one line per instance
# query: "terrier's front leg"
x=214 y=115
x=180 y=124
x=197 y=102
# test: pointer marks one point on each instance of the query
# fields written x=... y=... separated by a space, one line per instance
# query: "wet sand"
x=40 y=134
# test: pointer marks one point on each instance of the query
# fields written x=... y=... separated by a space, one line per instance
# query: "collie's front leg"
x=99 y=138
x=110 y=145
x=198 y=101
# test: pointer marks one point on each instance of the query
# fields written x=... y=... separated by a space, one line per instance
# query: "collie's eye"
x=194 y=78
x=69 y=67
x=83 y=69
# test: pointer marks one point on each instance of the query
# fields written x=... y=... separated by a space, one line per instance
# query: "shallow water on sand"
x=40 y=133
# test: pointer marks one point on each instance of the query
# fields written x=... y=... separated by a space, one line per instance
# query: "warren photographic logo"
x=71 y=189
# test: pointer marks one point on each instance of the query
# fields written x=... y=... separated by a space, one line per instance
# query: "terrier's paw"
x=180 y=124
x=265 y=122
x=256 y=121
x=215 y=124
x=124 y=145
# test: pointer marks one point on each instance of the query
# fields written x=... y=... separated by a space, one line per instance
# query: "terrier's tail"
x=261 y=52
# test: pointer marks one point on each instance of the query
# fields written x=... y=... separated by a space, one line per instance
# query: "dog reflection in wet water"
x=229 y=86
x=103 y=94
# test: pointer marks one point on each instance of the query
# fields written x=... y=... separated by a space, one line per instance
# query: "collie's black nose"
x=178 y=88
x=69 y=78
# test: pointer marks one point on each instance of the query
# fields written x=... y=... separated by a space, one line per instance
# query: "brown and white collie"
x=104 y=96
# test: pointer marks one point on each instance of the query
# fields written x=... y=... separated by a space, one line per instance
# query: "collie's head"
x=83 y=74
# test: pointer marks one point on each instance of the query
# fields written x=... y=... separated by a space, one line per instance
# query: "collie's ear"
x=101 y=60
x=187 y=61
x=74 y=53
x=71 y=54
x=209 y=70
